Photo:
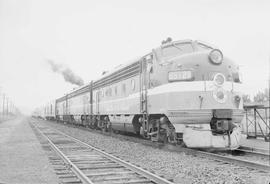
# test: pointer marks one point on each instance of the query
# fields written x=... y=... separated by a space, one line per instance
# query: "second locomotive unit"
x=183 y=91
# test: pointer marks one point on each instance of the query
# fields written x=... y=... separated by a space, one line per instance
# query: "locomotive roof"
x=85 y=87
x=120 y=67
x=130 y=62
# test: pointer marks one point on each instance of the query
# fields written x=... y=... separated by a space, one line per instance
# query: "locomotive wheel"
x=153 y=133
x=142 y=132
x=105 y=123
x=162 y=136
x=94 y=123
x=103 y=126
x=115 y=131
x=109 y=126
x=168 y=129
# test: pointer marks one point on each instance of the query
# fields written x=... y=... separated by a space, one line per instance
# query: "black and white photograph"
x=134 y=92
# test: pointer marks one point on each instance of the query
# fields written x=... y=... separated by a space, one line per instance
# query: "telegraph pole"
x=7 y=106
x=11 y=108
x=269 y=108
x=3 y=105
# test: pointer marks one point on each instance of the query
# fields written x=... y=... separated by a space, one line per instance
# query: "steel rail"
x=138 y=170
x=241 y=162
x=238 y=161
x=73 y=167
x=214 y=156
x=257 y=150
x=252 y=152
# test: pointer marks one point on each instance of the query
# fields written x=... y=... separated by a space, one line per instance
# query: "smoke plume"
x=66 y=72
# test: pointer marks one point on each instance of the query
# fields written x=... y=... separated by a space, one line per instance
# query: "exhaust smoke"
x=66 y=72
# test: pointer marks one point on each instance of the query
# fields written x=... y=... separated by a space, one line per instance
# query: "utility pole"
x=7 y=106
x=7 y=100
x=11 y=108
x=269 y=108
x=3 y=105
x=0 y=100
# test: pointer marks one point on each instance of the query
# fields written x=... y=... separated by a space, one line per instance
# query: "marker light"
x=220 y=95
x=180 y=75
x=216 y=56
x=219 y=79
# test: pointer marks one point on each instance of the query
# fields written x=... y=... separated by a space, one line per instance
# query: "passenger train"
x=181 y=92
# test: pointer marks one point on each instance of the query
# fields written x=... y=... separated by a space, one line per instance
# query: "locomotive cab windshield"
x=172 y=50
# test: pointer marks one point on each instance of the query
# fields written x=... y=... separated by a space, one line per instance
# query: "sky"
x=93 y=36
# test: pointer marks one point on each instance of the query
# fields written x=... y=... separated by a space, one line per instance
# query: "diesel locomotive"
x=181 y=92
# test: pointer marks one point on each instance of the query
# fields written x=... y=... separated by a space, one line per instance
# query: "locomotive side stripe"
x=180 y=87
x=193 y=86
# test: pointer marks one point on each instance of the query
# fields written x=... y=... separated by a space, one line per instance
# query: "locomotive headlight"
x=180 y=75
x=216 y=56
x=220 y=95
x=219 y=79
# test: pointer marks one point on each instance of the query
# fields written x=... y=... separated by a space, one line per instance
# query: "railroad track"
x=255 y=151
x=91 y=165
x=239 y=160
x=225 y=157
x=221 y=156
x=230 y=157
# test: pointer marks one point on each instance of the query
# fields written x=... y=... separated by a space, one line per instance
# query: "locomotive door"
x=91 y=99
x=97 y=101
x=65 y=109
x=144 y=85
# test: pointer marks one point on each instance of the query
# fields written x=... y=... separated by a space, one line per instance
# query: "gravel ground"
x=179 y=167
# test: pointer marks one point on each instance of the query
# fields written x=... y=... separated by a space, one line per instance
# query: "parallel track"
x=238 y=161
x=92 y=165
x=255 y=151
x=227 y=159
